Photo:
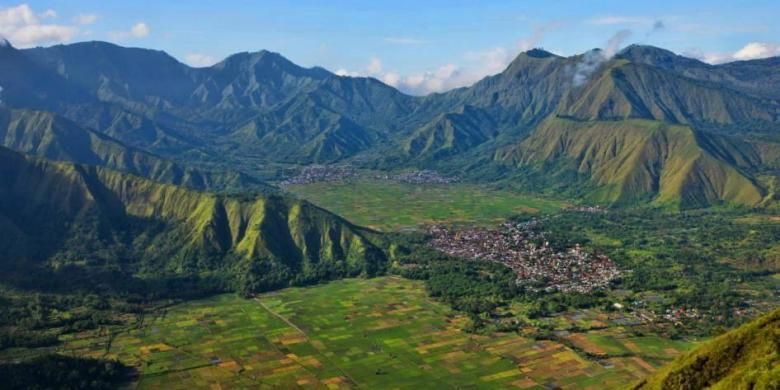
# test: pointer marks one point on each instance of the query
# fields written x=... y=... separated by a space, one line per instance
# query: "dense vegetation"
x=64 y=372
x=716 y=263
x=106 y=244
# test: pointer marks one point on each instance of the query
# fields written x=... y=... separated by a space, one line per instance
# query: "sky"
x=419 y=46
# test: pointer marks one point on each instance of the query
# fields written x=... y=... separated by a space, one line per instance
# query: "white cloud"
x=85 y=19
x=374 y=66
x=592 y=60
x=48 y=14
x=24 y=28
x=138 y=31
x=199 y=60
x=751 y=51
x=754 y=50
x=476 y=65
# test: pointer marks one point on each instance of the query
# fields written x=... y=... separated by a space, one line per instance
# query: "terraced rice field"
x=388 y=206
x=357 y=333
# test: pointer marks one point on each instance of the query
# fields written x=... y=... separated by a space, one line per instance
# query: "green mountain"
x=451 y=133
x=745 y=358
x=55 y=215
x=625 y=90
x=53 y=137
x=261 y=109
x=632 y=161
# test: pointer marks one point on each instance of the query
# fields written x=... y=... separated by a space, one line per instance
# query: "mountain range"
x=65 y=216
x=645 y=126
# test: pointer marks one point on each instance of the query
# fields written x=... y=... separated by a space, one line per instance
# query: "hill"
x=262 y=109
x=61 y=216
x=633 y=161
x=50 y=136
x=745 y=358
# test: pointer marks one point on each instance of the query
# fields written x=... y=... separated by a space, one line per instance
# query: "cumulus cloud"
x=48 y=14
x=85 y=19
x=374 y=67
x=751 y=51
x=591 y=60
x=755 y=50
x=199 y=60
x=24 y=28
x=140 y=30
x=137 y=31
x=475 y=66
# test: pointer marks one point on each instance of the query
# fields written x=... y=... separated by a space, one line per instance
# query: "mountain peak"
x=538 y=52
x=655 y=56
x=270 y=61
x=5 y=44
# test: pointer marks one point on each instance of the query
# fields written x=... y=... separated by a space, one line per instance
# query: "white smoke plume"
x=594 y=58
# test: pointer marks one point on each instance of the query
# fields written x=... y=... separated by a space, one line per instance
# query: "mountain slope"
x=745 y=358
x=52 y=137
x=57 y=213
x=260 y=108
x=451 y=133
x=631 y=161
x=629 y=90
x=754 y=77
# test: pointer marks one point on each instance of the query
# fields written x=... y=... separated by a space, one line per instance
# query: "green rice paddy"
x=389 y=206
x=357 y=333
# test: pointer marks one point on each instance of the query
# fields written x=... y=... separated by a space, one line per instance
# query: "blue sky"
x=419 y=46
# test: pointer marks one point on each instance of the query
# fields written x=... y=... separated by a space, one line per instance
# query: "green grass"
x=391 y=206
x=375 y=333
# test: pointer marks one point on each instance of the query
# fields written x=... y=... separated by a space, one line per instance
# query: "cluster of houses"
x=423 y=177
x=522 y=248
x=341 y=173
x=321 y=174
x=587 y=209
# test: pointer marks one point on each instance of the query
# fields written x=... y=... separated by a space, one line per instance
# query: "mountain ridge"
x=261 y=108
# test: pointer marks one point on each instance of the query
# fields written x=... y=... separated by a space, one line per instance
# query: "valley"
x=391 y=206
x=362 y=333
x=603 y=219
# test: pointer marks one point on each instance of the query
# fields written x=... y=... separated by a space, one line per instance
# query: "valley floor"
x=389 y=206
x=363 y=333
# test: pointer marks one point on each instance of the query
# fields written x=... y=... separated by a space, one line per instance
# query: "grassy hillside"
x=745 y=358
x=451 y=133
x=57 y=214
x=633 y=161
x=53 y=137
x=254 y=110
x=624 y=90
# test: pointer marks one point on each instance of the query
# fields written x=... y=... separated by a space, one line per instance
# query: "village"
x=522 y=248
x=342 y=173
x=321 y=174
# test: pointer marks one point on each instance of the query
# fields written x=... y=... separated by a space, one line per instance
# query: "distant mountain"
x=260 y=108
x=745 y=358
x=60 y=214
x=634 y=161
x=50 y=136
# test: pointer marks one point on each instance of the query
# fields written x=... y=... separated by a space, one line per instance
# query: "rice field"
x=389 y=206
x=357 y=333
